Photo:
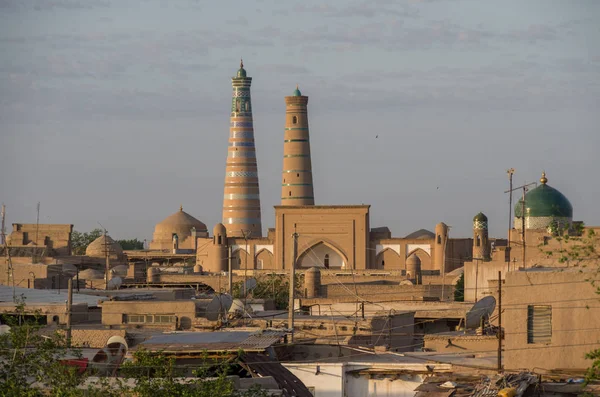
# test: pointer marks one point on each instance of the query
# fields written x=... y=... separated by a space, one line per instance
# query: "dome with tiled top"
x=543 y=206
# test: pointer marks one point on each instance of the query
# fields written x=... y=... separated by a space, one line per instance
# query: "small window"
x=290 y=193
x=294 y=120
x=382 y=264
x=326 y=261
x=247 y=106
x=478 y=241
x=298 y=175
x=220 y=240
x=539 y=324
x=439 y=239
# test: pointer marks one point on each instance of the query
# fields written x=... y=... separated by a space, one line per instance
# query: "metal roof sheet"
x=44 y=296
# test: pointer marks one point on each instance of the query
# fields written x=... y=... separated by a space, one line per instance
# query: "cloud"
x=366 y=9
x=49 y=5
x=534 y=33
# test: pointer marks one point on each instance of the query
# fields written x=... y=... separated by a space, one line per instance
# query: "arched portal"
x=239 y=259
x=388 y=259
x=323 y=255
x=424 y=257
x=265 y=259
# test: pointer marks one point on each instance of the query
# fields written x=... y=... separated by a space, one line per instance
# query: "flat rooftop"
x=44 y=296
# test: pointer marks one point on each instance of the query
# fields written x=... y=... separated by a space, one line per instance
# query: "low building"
x=41 y=239
x=551 y=318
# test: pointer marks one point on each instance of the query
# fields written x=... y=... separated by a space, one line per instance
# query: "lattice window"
x=539 y=324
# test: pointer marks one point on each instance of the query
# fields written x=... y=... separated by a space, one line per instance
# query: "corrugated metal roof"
x=44 y=296
x=190 y=342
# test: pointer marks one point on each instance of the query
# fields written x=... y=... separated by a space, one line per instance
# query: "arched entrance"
x=322 y=255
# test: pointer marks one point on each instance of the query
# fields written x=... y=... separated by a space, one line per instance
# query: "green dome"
x=241 y=72
x=480 y=217
x=545 y=201
x=297 y=91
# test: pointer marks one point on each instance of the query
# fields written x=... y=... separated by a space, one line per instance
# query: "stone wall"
x=574 y=318
x=55 y=237
x=460 y=343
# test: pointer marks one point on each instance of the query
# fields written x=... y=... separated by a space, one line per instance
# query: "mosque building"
x=333 y=236
x=337 y=237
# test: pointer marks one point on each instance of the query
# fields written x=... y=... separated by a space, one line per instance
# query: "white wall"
x=334 y=381
x=328 y=383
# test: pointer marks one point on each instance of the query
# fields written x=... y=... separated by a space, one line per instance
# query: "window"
x=294 y=120
x=326 y=261
x=439 y=239
x=382 y=264
x=478 y=241
x=220 y=240
x=237 y=105
x=149 y=318
x=290 y=193
x=247 y=106
x=539 y=324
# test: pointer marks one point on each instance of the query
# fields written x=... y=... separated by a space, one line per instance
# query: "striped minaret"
x=296 y=179
x=241 y=201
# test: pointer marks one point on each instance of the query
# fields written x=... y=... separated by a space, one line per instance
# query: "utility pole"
x=229 y=268
x=524 y=187
x=37 y=229
x=510 y=173
x=292 y=285
x=476 y=275
x=69 y=310
x=9 y=269
x=499 y=322
x=107 y=257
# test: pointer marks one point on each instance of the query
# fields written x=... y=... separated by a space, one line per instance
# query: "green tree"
x=80 y=241
x=131 y=244
x=271 y=286
x=459 y=289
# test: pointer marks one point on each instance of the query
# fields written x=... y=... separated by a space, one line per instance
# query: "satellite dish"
x=249 y=285
x=480 y=310
x=218 y=307
x=115 y=283
x=237 y=306
x=108 y=359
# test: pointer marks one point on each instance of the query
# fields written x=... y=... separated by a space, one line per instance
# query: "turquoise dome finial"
x=241 y=72
x=297 y=91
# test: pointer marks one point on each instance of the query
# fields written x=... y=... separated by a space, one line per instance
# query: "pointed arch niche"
x=388 y=259
x=322 y=254
x=423 y=256
x=239 y=258
x=265 y=259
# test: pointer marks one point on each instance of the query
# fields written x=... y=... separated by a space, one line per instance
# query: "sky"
x=117 y=111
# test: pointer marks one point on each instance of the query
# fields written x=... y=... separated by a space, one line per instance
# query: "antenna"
x=107 y=257
x=480 y=311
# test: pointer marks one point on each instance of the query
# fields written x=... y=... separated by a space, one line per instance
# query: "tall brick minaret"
x=296 y=178
x=241 y=201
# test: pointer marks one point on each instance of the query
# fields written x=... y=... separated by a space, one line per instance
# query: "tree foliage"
x=271 y=286
x=131 y=244
x=32 y=365
x=459 y=289
x=80 y=241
